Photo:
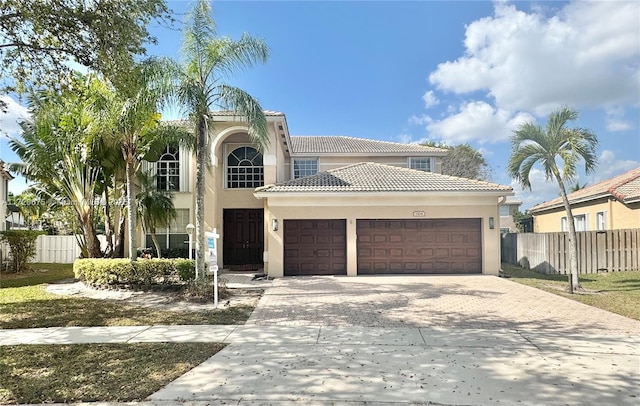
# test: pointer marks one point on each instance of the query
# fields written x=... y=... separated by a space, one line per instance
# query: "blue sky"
x=447 y=71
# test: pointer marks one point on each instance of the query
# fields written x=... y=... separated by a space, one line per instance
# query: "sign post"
x=213 y=261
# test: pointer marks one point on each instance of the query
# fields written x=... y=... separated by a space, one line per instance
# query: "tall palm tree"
x=155 y=208
x=199 y=87
x=136 y=128
x=555 y=145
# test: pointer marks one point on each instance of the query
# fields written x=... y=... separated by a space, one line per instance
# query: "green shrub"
x=142 y=272
x=22 y=245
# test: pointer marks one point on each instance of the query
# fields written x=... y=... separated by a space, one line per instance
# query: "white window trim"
x=292 y=169
x=432 y=162
x=604 y=220
x=228 y=148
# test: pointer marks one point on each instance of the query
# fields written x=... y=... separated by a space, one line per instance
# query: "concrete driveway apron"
x=464 y=340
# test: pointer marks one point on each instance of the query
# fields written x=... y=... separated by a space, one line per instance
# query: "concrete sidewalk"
x=338 y=365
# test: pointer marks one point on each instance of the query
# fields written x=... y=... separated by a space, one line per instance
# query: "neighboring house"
x=607 y=205
x=506 y=216
x=334 y=205
x=5 y=177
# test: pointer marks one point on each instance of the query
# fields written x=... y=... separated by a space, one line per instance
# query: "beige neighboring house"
x=608 y=205
x=334 y=205
x=5 y=177
x=507 y=209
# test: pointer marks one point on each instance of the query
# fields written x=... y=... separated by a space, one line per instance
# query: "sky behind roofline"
x=447 y=71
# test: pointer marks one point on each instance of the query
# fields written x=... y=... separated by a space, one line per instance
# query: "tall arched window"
x=168 y=170
x=244 y=168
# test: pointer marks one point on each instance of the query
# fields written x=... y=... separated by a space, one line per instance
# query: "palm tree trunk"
x=574 y=283
x=156 y=244
x=108 y=230
x=119 y=249
x=201 y=156
x=131 y=211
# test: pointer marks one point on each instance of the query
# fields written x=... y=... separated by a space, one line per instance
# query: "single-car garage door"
x=419 y=246
x=315 y=247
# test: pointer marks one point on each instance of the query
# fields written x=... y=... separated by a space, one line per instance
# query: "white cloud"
x=9 y=120
x=475 y=121
x=542 y=189
x=615 y=120
x=609 y=166
x=585 y=56
x=430 y=99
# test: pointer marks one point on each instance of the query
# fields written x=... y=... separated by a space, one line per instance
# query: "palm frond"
x=237 y=100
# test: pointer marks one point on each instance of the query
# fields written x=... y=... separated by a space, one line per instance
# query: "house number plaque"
x=419 y=213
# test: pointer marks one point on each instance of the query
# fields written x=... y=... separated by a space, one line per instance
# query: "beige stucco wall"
x=353 y=208
x=618 y=215
x=3 y=203
x=218 y=197
x=339 y=160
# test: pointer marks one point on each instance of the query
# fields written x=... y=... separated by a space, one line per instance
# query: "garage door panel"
x=314 y=247
x=419 y=246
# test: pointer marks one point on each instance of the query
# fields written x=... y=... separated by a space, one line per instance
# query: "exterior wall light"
x=274 y=224
x=492 y=224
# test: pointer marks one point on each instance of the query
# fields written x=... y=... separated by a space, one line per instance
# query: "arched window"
x=244 y=168
x=168 y=170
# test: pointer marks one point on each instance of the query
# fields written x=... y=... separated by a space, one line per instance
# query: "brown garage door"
x=315 y=247
x=419 y=246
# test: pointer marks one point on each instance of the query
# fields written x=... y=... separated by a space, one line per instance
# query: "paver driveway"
x=477 y=301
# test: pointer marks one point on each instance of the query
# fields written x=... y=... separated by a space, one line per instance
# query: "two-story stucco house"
x=5 y=177
x=334 y=205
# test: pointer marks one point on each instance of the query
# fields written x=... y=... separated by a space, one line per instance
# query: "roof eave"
x=406 y=154
x=263 y=192
x=571 y=202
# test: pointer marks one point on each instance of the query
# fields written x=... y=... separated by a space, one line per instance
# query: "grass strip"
x=33 y=306
x=94 y=372
x=617 y=292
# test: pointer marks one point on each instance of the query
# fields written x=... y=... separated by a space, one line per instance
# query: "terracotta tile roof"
x=374 y=177
x=624 y=187
x=332 y=144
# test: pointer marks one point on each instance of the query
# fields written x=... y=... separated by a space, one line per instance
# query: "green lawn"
x=94 y=372
x=618 y=292
x=24 y=303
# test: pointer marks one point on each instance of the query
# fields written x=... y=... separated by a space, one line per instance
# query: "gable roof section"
x=3 y=172
x=338 y=144
x=374 y=177
x=624 y=187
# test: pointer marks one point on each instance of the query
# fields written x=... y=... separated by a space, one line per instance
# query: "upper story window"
x=244 y=168
x=504 y=210
x=422 y=164
x=304 y=167
x=168 y=170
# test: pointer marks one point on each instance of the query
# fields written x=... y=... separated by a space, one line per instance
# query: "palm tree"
x=56 y=148
x=136 y=128
x=556 y=144
x=199 y=87
x=155 y=208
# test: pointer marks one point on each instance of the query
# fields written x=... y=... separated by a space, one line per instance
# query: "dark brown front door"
x=419 y=246
x=315 y=247
x=243 y=239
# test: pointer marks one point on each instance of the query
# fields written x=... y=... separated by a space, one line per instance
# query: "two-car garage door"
x=398 y=246
x=419 y=246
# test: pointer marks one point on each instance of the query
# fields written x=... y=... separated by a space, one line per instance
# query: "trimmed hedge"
x=142 y=272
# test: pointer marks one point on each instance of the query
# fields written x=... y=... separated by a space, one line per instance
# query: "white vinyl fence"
x=57 y=249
